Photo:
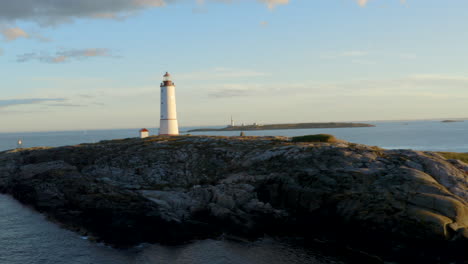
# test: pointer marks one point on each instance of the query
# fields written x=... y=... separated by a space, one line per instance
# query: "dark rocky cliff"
x=170 y=190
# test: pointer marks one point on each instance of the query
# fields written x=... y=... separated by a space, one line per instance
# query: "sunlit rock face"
x=173 y=189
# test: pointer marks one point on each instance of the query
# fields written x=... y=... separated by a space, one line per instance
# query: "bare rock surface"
x=173 y=189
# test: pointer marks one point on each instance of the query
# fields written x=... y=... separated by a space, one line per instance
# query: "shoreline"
x=284 y=127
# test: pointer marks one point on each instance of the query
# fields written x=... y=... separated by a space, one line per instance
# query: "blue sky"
x=98 y=65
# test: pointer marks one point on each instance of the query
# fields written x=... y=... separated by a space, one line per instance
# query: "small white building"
x=144 y=133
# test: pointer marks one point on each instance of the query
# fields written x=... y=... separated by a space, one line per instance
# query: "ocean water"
x=418 y=135
x=26 y=237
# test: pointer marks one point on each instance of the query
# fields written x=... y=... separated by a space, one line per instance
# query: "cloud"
x=66 y=105
x=64 y=55
x=419 y=85
x=363 y=3
x=272 y=3
x=43 y=103
x=229 y=92
x=48 y=12
x=52 y=12
x=13 y=33
x=254 y=90
x=12 y=102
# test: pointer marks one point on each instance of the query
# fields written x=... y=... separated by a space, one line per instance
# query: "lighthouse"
x=168 y=125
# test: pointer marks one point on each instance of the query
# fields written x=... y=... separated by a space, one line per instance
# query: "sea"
x=418 y=135
x=28 y=237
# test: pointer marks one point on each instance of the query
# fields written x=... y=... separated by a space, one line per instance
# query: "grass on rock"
x=455 y=155
x=316 y=138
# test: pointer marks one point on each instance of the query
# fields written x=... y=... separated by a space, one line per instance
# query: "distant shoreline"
x=283 y=126
x=451 y=121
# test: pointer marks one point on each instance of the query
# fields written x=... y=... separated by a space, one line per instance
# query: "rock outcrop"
x=173 y=189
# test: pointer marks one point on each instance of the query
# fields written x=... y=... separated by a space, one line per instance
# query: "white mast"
x=168 y=125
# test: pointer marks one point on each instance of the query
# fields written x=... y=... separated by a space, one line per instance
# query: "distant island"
x=451 y=121
x=283 y=126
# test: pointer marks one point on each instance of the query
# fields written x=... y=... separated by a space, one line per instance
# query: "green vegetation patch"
x=316 y=138
x=455 y=155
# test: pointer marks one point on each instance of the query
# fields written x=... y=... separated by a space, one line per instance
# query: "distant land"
x=283 y=126
x=451 y=121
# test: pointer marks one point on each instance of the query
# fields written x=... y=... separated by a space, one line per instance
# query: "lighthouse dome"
x=167 y=80
x=167 y=77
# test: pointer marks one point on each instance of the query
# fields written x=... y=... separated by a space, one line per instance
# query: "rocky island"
x=451 y=121
x=398 y=205
x=283 y=126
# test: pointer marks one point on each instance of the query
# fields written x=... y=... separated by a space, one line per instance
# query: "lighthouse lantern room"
x=168 y=125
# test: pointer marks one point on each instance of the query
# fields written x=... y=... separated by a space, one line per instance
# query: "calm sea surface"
x=418 y=135
x=26 y=237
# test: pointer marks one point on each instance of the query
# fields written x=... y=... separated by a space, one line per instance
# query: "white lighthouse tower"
x=168 y=125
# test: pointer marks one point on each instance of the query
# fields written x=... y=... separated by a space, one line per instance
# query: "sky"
x=86 y=64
